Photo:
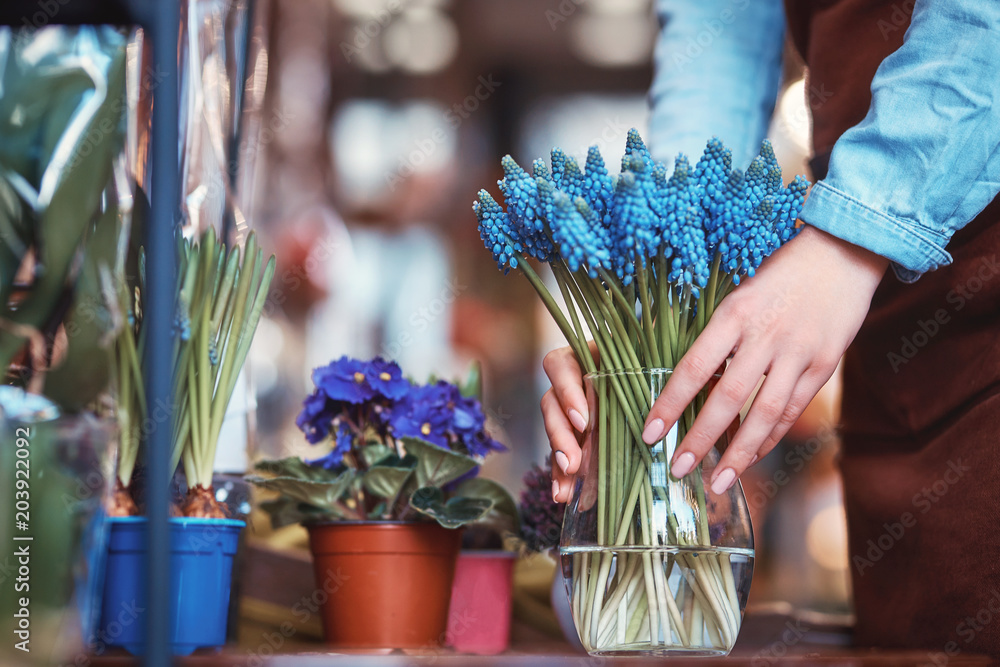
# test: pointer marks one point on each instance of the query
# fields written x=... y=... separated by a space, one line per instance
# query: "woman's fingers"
x=567 y=382
x=768 y=408
x=692 y=373
x=723 y=405
x=808 y=386
x=566 y=453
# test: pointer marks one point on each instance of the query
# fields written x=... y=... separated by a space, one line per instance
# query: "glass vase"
x=654 y=565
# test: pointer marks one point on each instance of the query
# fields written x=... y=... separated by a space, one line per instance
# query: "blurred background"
x=381 y=120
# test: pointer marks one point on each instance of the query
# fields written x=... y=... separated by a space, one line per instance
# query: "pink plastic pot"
x=479 y=617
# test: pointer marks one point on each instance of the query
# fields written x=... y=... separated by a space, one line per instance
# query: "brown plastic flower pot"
x=387 y=585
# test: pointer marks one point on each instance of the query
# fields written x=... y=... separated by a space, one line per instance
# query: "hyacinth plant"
x=221 y=296
x=398 y=451
x=642 y=261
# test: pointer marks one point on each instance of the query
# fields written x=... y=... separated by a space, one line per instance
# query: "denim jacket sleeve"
x=718 y=63
x=926 y=159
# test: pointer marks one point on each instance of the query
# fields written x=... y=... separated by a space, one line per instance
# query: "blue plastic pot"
x=201 y=566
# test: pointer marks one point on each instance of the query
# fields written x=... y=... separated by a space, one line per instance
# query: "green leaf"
x=295 y=467
x=454 y=513
x=386 y=479
x=285 y=512
x=321 y=494
x=487 y=489
x=84 y=370
x=374 y=452
x=436 y=466
x=473 y=385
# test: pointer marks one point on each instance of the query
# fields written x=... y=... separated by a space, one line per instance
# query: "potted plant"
x=384 y=505
x=482 y=593
x=221 y=296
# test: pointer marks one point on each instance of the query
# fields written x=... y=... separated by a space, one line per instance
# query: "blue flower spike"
x=692 y=216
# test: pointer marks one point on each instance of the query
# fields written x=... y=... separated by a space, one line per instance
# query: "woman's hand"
x=791 y=322
x=565 y=413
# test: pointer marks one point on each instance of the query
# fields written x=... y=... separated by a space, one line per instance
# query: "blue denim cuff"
x=912 y=248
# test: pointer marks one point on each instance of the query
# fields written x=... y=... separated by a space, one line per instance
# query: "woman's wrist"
x=869 y=265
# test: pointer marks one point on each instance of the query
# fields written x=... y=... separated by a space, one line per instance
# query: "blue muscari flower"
x=672 y=203
x=598 y=187
x=213 y=352
x=634 y=144
x=557 y=158
x=342 y=445
x=624 y=228
x=520 y=192
x=763 y=177
x=711 y=178
x=790 y=201
x=659 y=172
x=637 y=198
x=495 y=230
x=692 y=217
x=386 y=378
x=571 y=181
x=540 y=170
x=767 y=153
x=182 y=325
x=580 y=245
x=345 y=379
x=690 y=262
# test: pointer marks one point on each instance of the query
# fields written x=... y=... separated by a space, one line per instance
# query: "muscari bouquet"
x=642 y=261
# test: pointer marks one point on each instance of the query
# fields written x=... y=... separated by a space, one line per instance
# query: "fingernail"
x=723 y=481
x=653 y=431
x=754 y=459
x=555 y=490
x=577 y=420
x=683 y=465
x=563 y=461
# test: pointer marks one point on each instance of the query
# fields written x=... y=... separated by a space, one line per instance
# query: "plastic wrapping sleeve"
x=223 y=74
x=62 y=104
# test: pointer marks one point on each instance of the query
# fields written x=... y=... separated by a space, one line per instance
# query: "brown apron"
x=921 y=410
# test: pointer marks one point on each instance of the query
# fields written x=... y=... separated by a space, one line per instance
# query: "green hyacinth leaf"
x=436 y=466
x=90 y=323
x=453 y=513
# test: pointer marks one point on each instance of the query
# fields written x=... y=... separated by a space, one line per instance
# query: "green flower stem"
x=626 y=310
x=609 y=355
x=581 y=335
x=665 y=315
x=604 y=512
x=647 y=318
x=579 y=347
x=609 y=478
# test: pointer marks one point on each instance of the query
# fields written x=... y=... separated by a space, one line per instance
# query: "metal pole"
x=161 y=266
